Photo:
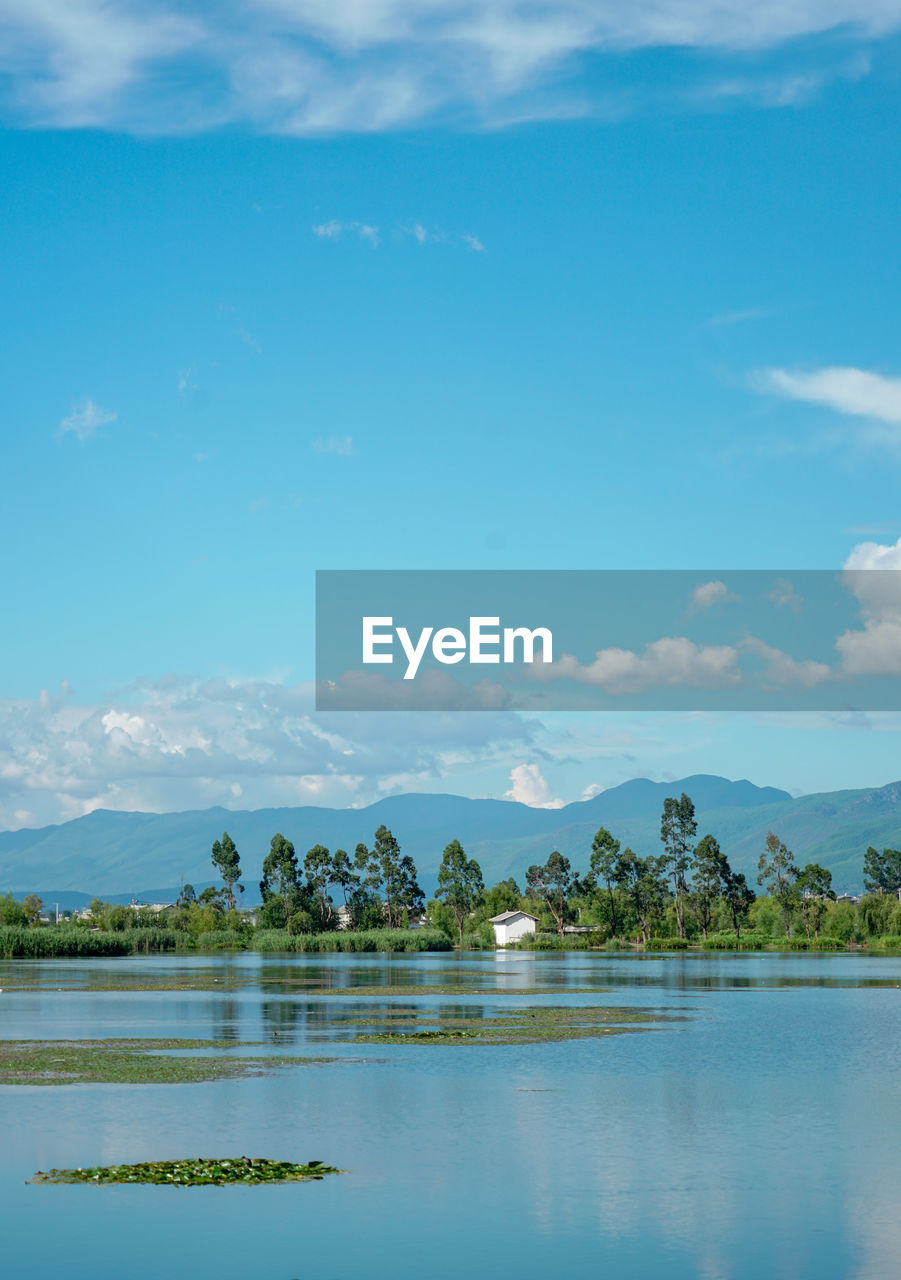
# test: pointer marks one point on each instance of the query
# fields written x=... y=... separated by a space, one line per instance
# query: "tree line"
x=687 y=890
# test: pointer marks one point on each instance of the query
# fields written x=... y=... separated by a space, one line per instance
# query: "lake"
x=749 y=1131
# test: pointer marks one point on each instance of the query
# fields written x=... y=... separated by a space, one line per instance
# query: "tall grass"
x=20 y=943
x=350 y=940
x=222 y=940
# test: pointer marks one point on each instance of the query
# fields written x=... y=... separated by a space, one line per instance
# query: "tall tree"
x=366 y=895
x=709 y=869
x=604 y=853
x=398 y=877
x=738 y=896
x=279 y=883
x=318 y=869
x=227 y=862
x=778 y=873
x=344 y=875
x=386 y=852
x=460 y=883
x=33 y=906
x=643 y=881
x=503 y=896
x=814 y=889
x=882 y=871
x=553 y=883
x=678 y=829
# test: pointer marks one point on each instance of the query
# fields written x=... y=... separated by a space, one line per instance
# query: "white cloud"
x=474 y=243
x=784 y=596
x=342 y=445
x=334 y=229
x=872 y=573
x=672 y=661
x=844 y=389
x=874 y=555
x=781 y=668
x=706 y=594
x=320 y=66
x=591 y=791
x=84 y=420
x=529 y=787
x=183 y=744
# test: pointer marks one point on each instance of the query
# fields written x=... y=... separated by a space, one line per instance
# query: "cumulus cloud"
x=706 y=594
x=181 y=744
x=844 y=389
x=781 y=668
x=872 y=573
x=85 y=419
x=529 y=787
x=672 y=661
x=319 y=66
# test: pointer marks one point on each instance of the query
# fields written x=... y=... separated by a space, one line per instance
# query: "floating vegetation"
x=194 y=1173
x=47 y=1062
x=523 y=1026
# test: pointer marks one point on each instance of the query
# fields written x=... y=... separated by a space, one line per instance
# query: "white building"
x=511 y=925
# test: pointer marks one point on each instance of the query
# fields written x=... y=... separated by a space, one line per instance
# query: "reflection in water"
x=754 y=1138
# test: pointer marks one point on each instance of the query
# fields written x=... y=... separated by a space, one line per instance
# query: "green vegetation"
x=518 y=1026
x=350 y=940
x=194 y=1173
x=50 y=1062
x=459 y=883
x=21 y=943
x=688 y=895
x=68 y=940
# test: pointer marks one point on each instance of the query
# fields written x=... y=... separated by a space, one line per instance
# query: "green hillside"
x=119 y=853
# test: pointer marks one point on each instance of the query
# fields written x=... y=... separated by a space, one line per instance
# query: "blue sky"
x=424 y=286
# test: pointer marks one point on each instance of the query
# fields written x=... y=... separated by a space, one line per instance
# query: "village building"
x=512 y=925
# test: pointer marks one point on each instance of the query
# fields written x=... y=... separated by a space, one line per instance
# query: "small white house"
x=511 y=925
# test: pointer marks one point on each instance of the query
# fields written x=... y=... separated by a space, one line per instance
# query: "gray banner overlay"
x=715 y=640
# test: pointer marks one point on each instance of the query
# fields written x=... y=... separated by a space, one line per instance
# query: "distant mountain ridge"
x=115 y=853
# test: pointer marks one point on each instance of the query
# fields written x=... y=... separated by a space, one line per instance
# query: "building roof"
x=509 y=915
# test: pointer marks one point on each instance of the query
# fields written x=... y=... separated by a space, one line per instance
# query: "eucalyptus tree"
x=344 y=875
x=604 y=854
x=398 y=877
x=553 y=883
x=365 y=893
x=678 y=829
x=710 y=870
x=643 y=880
x=318 y=869
x=814 y=889
x=738 y=896
x=227 y=862
x=279 y=886
x=460 y=883
x=882 y=871
x=778 y=874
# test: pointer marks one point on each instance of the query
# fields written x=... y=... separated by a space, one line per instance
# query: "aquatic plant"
x=194 y=1172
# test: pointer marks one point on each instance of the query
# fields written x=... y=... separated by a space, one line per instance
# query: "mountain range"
x=114 y=854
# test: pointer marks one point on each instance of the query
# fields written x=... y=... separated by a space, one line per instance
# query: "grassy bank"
x=20 y=943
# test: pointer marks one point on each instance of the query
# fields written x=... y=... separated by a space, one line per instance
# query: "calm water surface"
x=757 y=1138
